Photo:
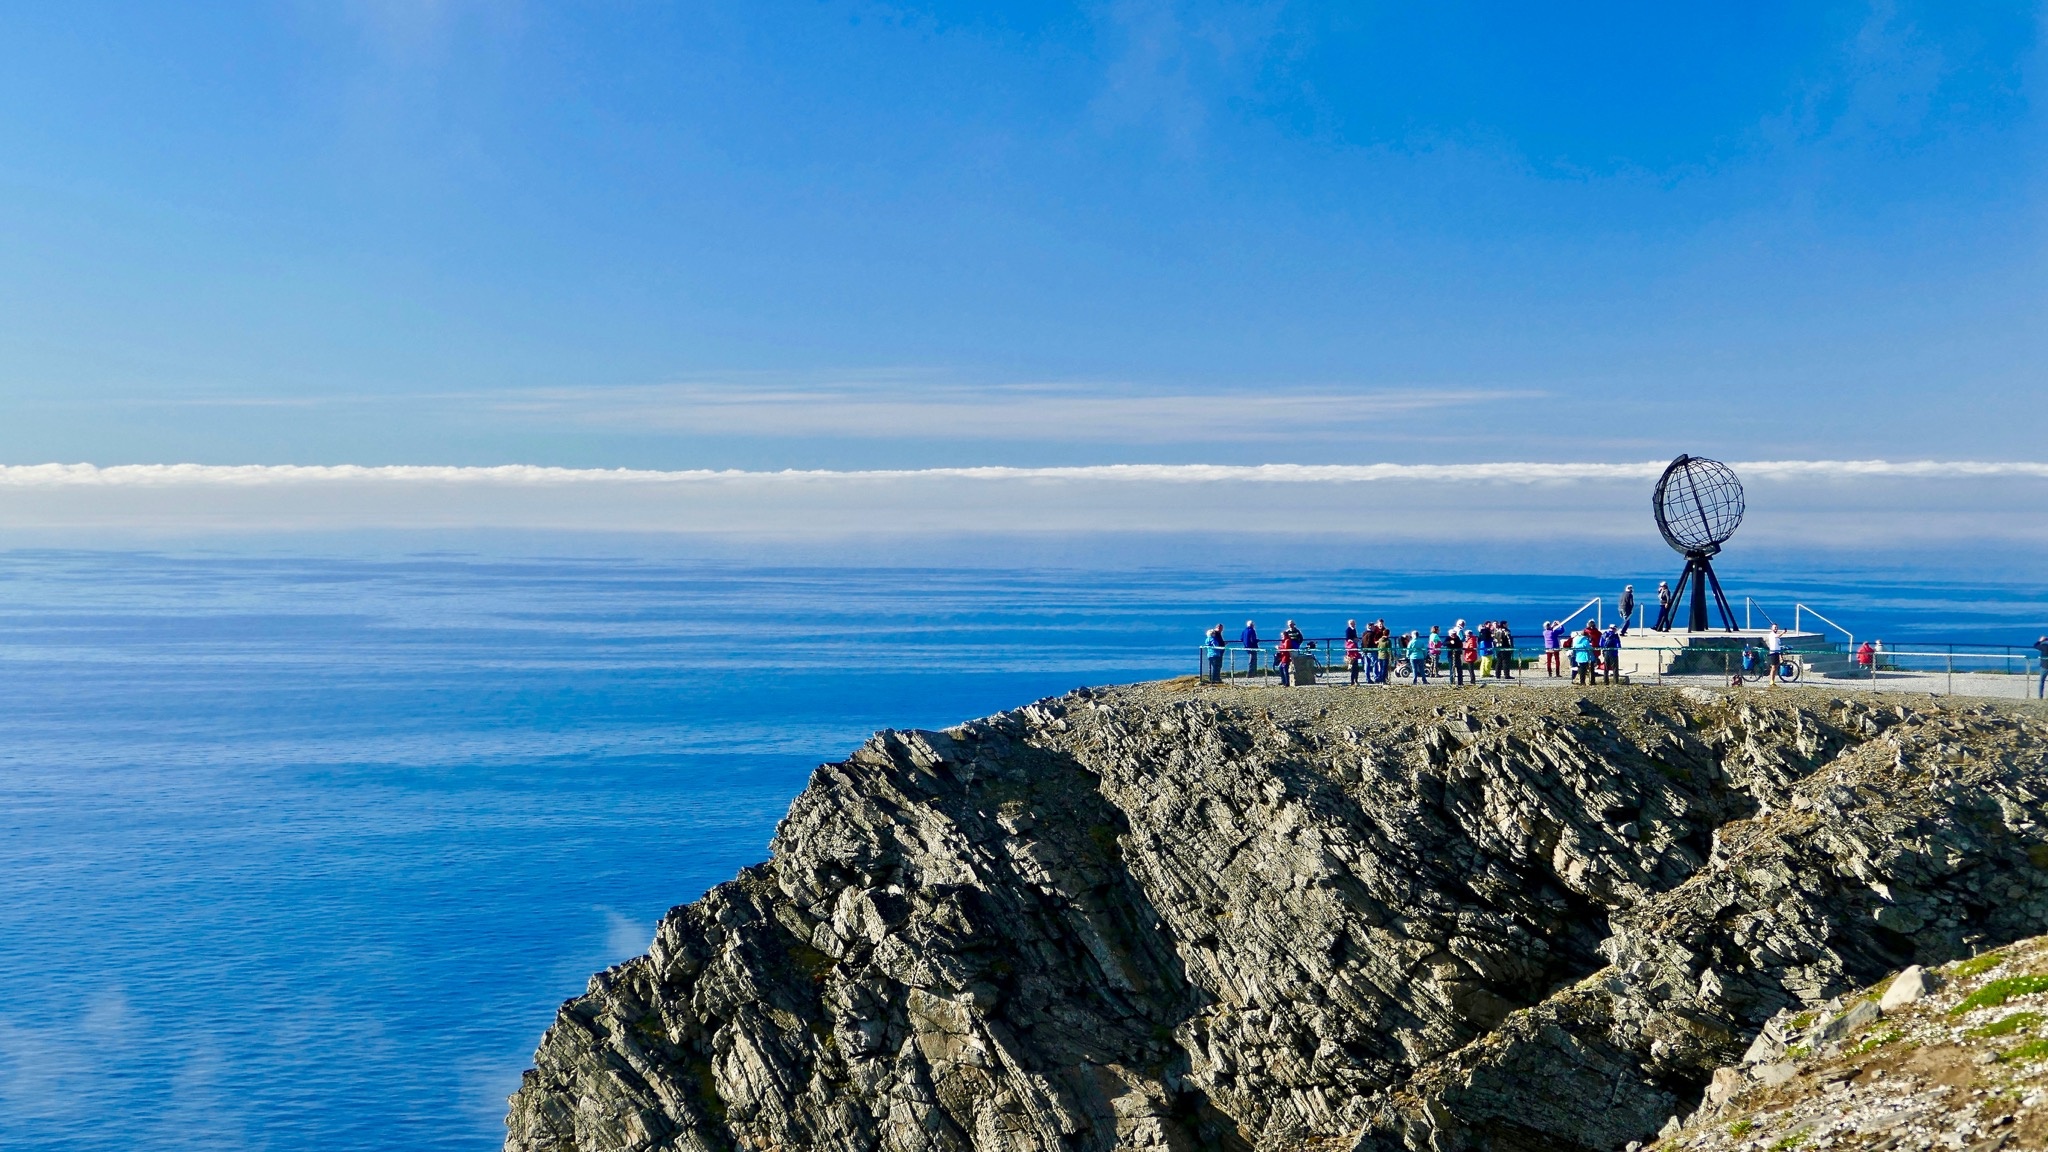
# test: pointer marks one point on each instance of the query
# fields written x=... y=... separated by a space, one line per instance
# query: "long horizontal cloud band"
x=1865 y=503
x=51 y=475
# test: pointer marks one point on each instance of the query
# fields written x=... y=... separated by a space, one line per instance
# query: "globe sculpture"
x=1698 y=504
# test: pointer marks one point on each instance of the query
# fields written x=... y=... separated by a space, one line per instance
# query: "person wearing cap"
x=2041 y=685
x=1628 y=605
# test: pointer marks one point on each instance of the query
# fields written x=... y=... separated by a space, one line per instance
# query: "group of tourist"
x=1590 y=651
x=1376 y=654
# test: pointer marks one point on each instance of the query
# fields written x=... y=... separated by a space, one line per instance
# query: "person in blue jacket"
x=1418 y=658
x=1610 y=653
x=1212 y=651
x=1250 y=640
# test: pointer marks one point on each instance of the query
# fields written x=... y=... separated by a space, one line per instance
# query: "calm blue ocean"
x=304 y=852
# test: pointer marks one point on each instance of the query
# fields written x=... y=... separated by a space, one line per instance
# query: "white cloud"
x=1793 y=501
x=1511 y=472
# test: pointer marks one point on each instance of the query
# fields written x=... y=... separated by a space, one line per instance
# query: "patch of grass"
x=1802 y=1021
x=707 y=1090
x=1975 y=965
x=1799 y=1051
x=2007 y=1026
x=1999 y=991
x=1742 y=1127
x=2031 y=1050
x=816 y=963
x=1795 y=1140
x=1877 y=1041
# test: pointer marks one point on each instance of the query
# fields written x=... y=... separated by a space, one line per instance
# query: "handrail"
x=1749 y=602
x=1594 y=602
x=1797 y=608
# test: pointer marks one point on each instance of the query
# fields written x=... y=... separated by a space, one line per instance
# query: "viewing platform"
x=1646 y=654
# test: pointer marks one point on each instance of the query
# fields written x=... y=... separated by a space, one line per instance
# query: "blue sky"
x=849 y=236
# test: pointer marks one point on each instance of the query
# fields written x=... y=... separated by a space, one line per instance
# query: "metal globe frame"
x=1698 y=505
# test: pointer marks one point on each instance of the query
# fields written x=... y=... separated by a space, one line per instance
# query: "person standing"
x=1454 y=652
x=2041 y=685
x=1350 y=632
x=1385 y=650
x=1212 y=649
x=1283 y=655
x=1582 y=658
x=1774 y=649
x=1866 y=660
x=1663 y=604
x=1353 y=657
x=1552 y=636
x=1436 y=647
x=1418 y=658
x=1628 y=605
x=1504 y=650
x=1610 y=654
x=1250 y=639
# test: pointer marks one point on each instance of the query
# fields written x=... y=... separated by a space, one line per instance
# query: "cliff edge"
x=1175 y=917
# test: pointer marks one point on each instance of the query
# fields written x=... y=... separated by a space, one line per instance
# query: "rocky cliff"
x=1177 y=917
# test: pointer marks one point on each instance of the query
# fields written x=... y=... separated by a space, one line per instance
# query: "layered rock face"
x=1178 y=917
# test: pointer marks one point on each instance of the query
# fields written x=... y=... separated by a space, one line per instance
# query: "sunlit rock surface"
x=1176 y=917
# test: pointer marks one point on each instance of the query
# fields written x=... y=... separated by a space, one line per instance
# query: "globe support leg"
x=1727 y=614
x=1698 y=579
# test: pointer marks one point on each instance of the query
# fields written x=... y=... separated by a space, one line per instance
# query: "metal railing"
x=1943 y=668
x=1798 y=608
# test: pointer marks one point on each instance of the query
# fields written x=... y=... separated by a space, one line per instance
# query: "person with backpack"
x=1504 y=650
x=1250 y=639
x=1610 y=653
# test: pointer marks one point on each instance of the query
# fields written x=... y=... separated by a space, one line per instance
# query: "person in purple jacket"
x=1250 y=639
x=1553 y=640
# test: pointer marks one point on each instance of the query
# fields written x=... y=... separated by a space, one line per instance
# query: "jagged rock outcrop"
x=1176 y=917
x=1955 y=1057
